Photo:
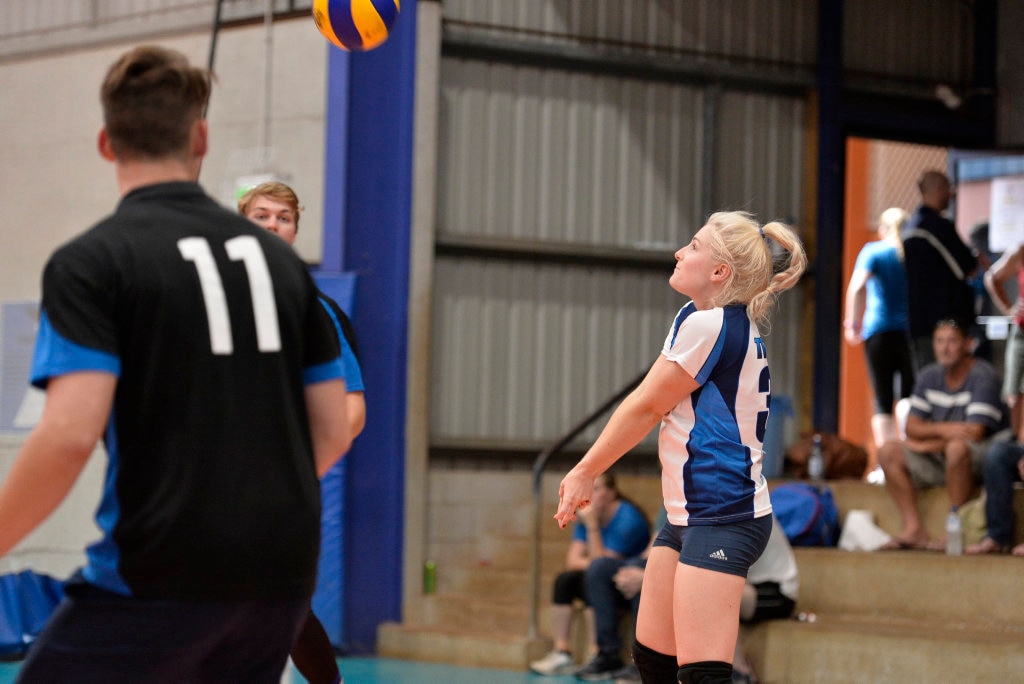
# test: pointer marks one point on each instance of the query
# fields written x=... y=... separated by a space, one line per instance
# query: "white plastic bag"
x=860 y=533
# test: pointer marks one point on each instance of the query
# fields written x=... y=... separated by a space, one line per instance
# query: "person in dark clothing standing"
x=938 y=266
x=192 y=341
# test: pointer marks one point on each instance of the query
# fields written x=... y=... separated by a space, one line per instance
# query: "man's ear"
x=106 y=150
x=199 y=133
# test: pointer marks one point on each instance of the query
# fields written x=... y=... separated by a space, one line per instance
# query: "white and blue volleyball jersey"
x=710 y=443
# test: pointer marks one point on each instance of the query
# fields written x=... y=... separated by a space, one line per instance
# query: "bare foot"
x=906 y=544
x=1018 y=550
x=987 y=545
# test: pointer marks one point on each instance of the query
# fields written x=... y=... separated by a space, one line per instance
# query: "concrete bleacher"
x=897 y=616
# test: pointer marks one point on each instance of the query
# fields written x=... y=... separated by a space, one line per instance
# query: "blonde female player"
x=709 y=390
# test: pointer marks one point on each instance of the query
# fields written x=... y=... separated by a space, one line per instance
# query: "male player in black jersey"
x=192 y=341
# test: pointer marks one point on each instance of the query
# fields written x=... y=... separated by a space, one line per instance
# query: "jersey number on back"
x=246 y=249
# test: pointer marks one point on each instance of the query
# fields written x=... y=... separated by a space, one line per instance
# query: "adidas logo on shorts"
x=719 y=555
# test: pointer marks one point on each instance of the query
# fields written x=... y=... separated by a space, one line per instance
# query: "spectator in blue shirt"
x=611 y=527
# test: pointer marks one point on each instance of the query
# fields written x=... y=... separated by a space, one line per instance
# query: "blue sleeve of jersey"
x=579 y=533
x=865 y=259
x=322 y=359
x=351 y=372
x=331 y=370
x=56 y=355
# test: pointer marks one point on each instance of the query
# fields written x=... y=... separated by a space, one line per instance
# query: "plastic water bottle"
x=816 y=461
x=954 y=534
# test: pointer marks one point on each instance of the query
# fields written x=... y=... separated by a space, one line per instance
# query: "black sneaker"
x=600 y=669
x=626 y=673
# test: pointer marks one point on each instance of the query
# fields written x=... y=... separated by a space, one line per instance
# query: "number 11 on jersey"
x=246 y=249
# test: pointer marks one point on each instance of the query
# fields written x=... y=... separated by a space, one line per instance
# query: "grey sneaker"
x=554 y=663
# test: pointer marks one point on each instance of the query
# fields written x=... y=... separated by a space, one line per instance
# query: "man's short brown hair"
x=151 y=96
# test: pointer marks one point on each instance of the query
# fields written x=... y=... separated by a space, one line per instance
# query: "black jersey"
x=213 y=328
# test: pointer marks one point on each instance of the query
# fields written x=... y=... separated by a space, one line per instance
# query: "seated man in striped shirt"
x=955 y=413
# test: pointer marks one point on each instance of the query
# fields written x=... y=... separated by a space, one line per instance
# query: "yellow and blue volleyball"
x=355 y=24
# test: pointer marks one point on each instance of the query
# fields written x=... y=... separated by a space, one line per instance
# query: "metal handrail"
x=538 y=472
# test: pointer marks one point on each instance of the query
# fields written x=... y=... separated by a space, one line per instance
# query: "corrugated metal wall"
x=524 y=350
x=539 y=154
x=917 y=40
x=578 y=163
x=776 y=30
x=34 y=26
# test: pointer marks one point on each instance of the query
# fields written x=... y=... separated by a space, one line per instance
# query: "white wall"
x=53 y=185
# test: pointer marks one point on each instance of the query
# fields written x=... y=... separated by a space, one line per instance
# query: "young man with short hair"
x=192 y=341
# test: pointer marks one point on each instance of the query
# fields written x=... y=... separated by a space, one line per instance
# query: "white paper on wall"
x=1006 y=222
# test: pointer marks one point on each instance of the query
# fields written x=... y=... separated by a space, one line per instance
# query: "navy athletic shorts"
x=730 y=548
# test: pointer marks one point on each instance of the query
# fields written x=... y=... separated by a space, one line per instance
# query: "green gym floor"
x=385 y=671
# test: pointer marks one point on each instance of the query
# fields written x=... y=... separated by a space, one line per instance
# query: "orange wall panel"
x=855 y=394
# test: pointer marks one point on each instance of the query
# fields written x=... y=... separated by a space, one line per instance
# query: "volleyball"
x=355 y=24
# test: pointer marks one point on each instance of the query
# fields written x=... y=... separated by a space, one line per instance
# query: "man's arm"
x=327 y=406
x=932 y=434
x=356 y=406
x=576 y=557
x=51 y=459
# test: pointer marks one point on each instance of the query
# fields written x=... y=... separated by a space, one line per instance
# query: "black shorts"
x=772 y=604
x=889 y=360
x=97 y=636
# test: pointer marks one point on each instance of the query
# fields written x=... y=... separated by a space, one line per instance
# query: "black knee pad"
x=654 y=667
x=705 y=672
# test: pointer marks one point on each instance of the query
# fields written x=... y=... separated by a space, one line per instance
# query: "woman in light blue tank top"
x=876 y=314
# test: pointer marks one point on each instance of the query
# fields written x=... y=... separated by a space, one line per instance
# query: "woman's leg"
x=568 y=587
x=706 y=614
x=883 y=429
x=561 y=625
x=655 y=626
x=654 y=647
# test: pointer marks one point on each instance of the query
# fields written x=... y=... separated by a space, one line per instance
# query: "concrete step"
x=838 y=649
x=987 y=591
x=513 y=551
x=459 y=646
x=495 y=614
x=489 y=580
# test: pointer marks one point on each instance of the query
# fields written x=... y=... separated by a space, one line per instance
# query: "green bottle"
x=429 y=577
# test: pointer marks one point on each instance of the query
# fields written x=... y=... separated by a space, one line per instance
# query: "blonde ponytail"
x=744 y=245
x=891 y=224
